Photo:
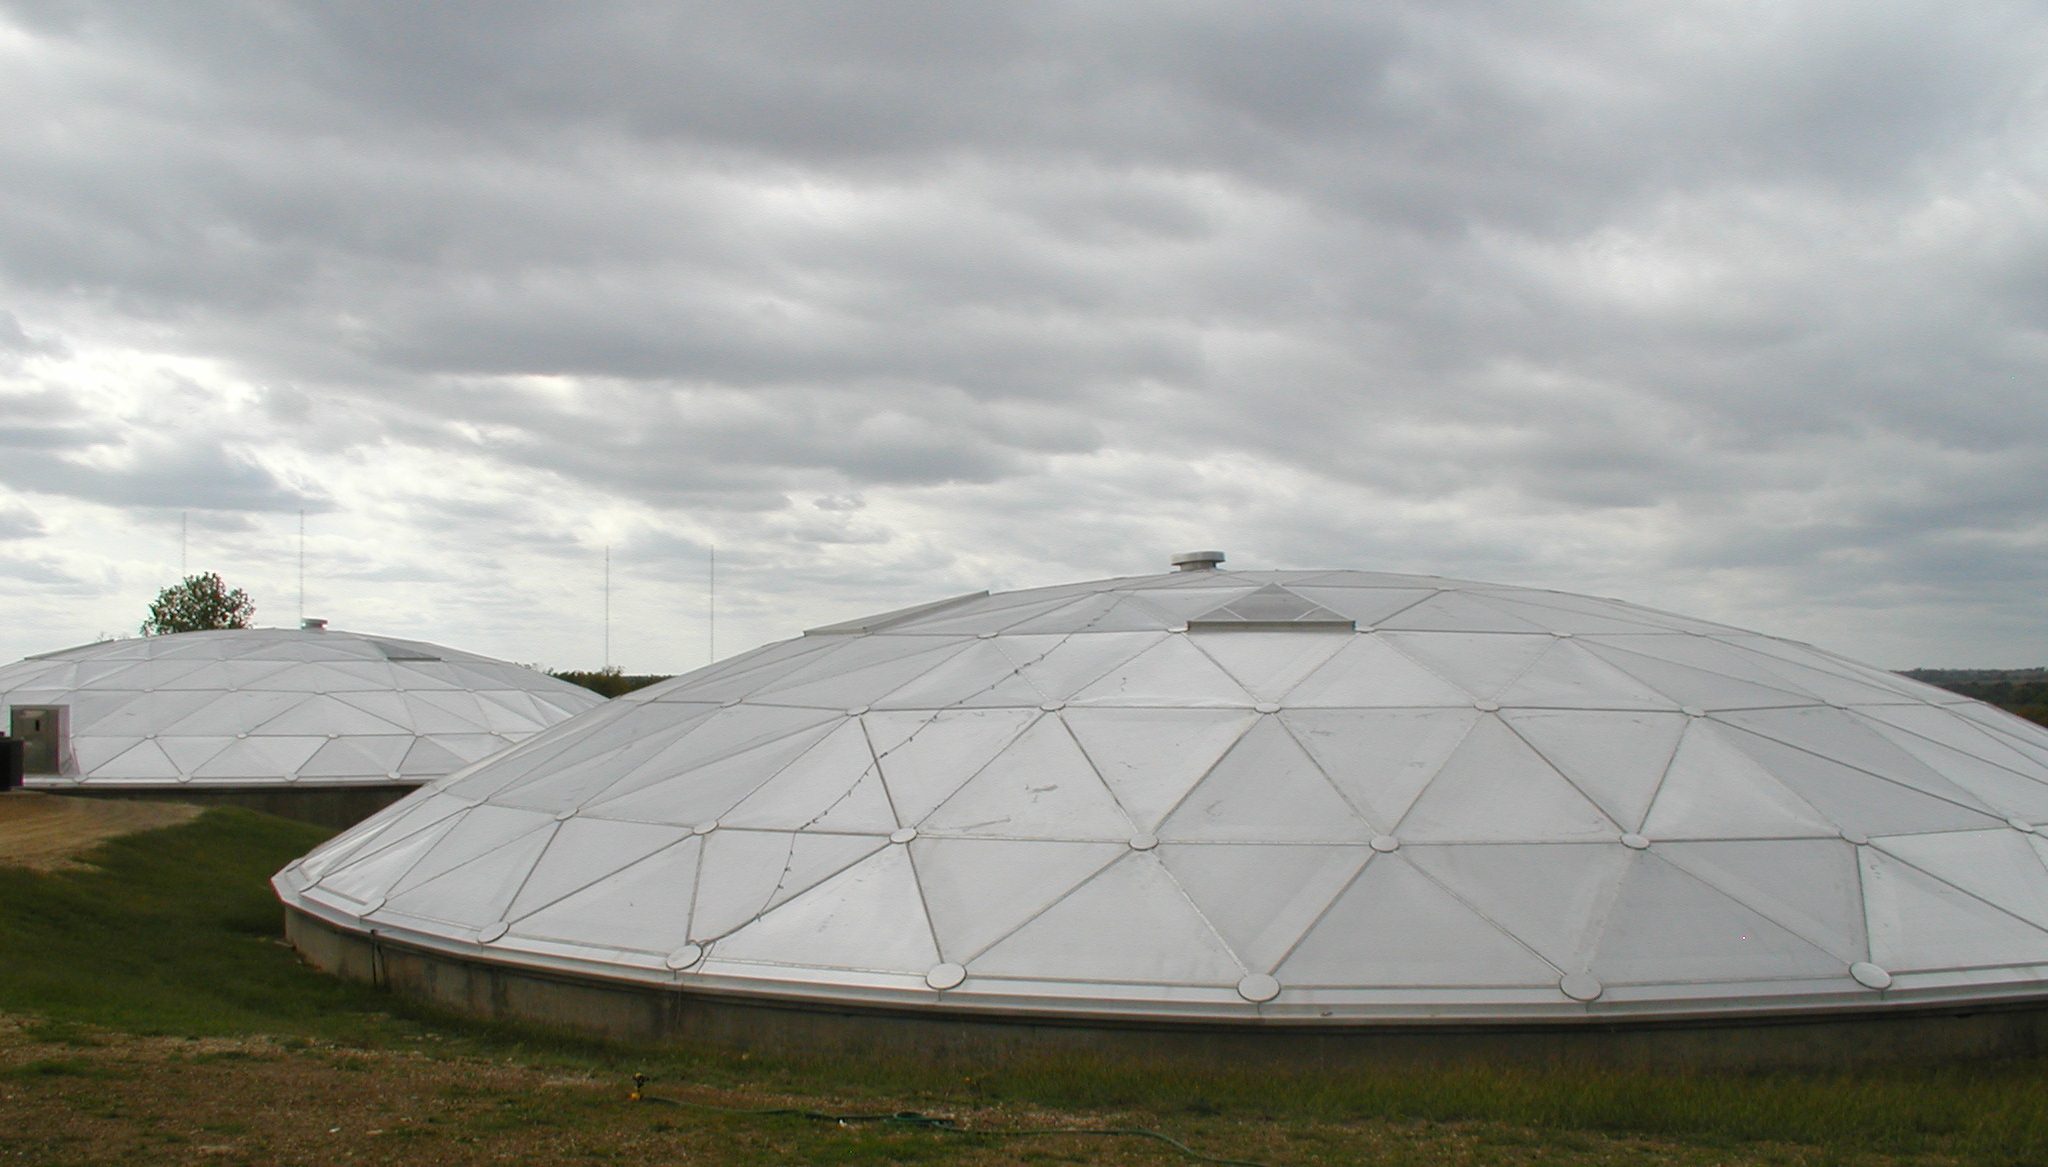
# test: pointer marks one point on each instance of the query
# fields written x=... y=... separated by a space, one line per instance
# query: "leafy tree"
x=201 y=602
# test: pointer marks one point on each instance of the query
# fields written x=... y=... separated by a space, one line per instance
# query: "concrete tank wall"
x=660 y=1015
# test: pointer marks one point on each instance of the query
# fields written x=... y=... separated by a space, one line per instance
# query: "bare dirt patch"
x=47 y=832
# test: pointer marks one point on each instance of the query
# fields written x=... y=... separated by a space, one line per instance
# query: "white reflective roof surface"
x=1314 y=797
x=274 y=707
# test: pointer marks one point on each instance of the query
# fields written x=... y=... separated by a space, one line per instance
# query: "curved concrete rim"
x=670 y=1008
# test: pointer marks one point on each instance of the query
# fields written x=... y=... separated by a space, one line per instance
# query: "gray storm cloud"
x=1730 y=311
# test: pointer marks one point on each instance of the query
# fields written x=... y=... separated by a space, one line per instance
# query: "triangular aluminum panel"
x=700 y=794
x=415 y=812
x=1170 y=673
x=471 y=747
x=1712 y=790
x=1151 y=758
x=1269 y=664
x=1040 y=787
x=863 y=686
x=1992 y=785
x=1996 y=866
x=925 y=758
x=135 y=714
x=1184 y=603
x=1696 y=687
x=190 y=753
x=387 y=706
x=869 y=916
x=723 y=736
x=979 y=676
x=992 y=614
x=92 y=754
x=1368 y=673
x=1261 y=898
x=1557 y=613
x=1918 y=923
x=1364 y=606
x=1380 y=760
x=2010 y=729
x=227 y=714
x=338 y=677
x=368 y=878
x=1569 y=677
x=1061 y=666
x=1266 y=789
x=566 y=785
x=1269 y=605
x=414 y=676
x=1957 y=733
x=338 y=760
x=742 y=675
x=1480 y=664
x=1551 y=897
x=143 y=760
x=1668 y=927
x=750 y=872
x=431 y=713
x=358 y=757
x=1394 y=927
x=1825 y=677
x=1130 y=924
x=1842 y=737
x=979 y=890
x=1495 y=788
x=261 y=757
x=1810 y=886
x=331 y=854
x=560 y=771
x=321 y=714
x=1720 y=657
x=643 y=908
x=855 y=654
x=428 y=758
x=1106 y=612
x=177 y=674
x=584 y=851
x=833 y=786
x=1616 y=759
x=511 y=711
x=462 y=705
x=474 y=894
x=481 y=831
x=1455 y=611
x=1855 y=801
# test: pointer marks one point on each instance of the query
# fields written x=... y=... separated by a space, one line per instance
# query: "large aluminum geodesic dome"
x=274 y=707
x=1324 y=798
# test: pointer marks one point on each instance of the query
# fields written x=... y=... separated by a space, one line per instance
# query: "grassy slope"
x=176 y=933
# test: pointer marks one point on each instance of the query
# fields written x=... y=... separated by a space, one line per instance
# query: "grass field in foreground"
x=150 y=1007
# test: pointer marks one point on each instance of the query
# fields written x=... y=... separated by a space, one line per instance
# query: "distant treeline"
x=606 y=682
x=2021 y=691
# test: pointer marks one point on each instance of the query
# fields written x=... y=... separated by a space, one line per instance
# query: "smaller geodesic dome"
x=255 y=708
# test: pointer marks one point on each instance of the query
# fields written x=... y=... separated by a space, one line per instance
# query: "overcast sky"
x=1733 y=309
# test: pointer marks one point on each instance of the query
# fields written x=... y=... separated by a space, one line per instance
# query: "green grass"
x=175 y=932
